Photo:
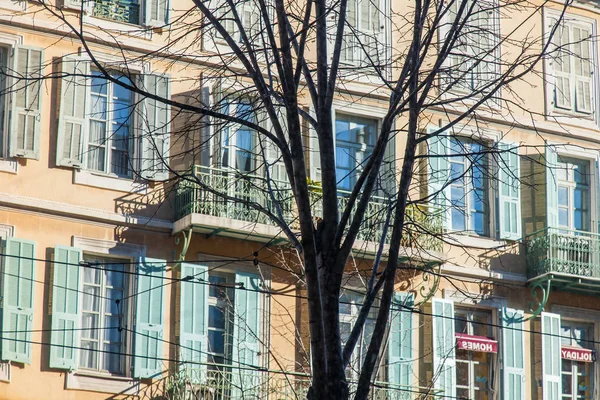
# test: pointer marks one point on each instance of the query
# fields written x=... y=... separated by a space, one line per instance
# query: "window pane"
x=563 y=217
x=112 y=358
x=563 y=196
x=216 y=317
x=89 y=326
x=88 y=357
x=91 y=298
x=216 y=341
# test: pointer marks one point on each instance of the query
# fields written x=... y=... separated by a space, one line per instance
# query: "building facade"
x=116 y=284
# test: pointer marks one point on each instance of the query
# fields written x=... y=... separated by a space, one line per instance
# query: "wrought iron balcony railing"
x=117 y=10
x=242 y=190
x=563 y=251
x=234 y=384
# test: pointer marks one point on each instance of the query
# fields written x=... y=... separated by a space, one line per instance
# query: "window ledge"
x=573 y=118
x=101 y=383
x=140 y=31
x=88 y=178
x=9 y=166
x=475 y=241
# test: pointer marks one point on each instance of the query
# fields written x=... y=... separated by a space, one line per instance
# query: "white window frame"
x=228 y=315
x=133 y=145
x=490 y=193
x=593 y=157
x=577 y=314
x=232 y=130
x=97 y=381
x=128 y=312
x=586 y=120
x=571 y=185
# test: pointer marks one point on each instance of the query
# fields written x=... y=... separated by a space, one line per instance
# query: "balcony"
x=197 y=206
x=117 y=10
x=228 y=384
x=569 y=259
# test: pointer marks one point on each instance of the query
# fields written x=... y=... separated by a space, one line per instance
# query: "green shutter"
x=65 y=308
x=193 y=320
x=388 y=175
x=551 y=187
x=246 y=333
x=17 y=305
x=513 y=355
x=155 y=142
x=25 y=103
x=400 y=344
x=509 y=196
x=437 y=174
x=444 y=363
x=149 y=324
x=72 y=124
x=551 y=357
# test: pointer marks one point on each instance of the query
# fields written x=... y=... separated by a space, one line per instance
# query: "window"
x=364 y=34
x=576 y=375
x=472 y=61
x=220 y=323
x=473 y=368
x=117 y=10
x=249 y=16
x=573 y=177
x=350 y=304
x=571 y=65
x=237 y=141
x=468 y=187
x=103 y=346
x=354 y=141
x=98 y=117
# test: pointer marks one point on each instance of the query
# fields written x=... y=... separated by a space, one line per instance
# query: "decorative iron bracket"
x=187 y=239
x=536 y=289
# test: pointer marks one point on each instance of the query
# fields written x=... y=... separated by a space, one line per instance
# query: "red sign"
x=577 y=354
x=476 y=343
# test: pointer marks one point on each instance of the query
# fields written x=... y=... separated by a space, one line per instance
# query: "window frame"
x=571 y=186
x=228 y=315
x=490 y=194
x=128 y=320
x=586 y=120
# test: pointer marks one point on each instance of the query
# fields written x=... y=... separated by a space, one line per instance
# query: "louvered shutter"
x=444 y=363
x=149 y=324
x=400 y=344
x=315 y=156
x=25 y=103
x=551 y=357
x=155 y=129
x=388 y=169
x=438 y=175
x=348 y=52
x=551 y=187
x=561 y=64
x=156 y=12
x=582 y=70
x=193 y=320
x=513 y=355
x=509 y=191
x=66 y=287
x=17 y=300
x=247 y=333
x=72 y=122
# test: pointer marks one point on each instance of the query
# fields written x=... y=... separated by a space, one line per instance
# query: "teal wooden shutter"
x=438 y=176
x=72 y=122
x=148 y=338
x=509 y=191
x=17 y=304
x=400 y=344
x=65 y=308
x=155 y=129
x=247 y=332
x=513 y=355
x=444 y=363
x=551 y=187
x=25 y=103
x=551 y=357
x=193 y=320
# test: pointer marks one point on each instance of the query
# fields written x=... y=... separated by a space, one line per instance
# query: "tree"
x=272 y=70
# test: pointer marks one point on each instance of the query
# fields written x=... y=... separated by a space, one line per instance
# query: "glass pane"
x=345 y=329
x=456 y=172
x=216 y=317
x=89 y=326
x=343 y=158
x=216 y=291
x=91 y=275
x=458 y=219
x=462 y=394
x=91 y=299
x=563 y=217
x=99 y=84
x=112 y=358
x=462 y=373
x=114 y=277
x=110 y=306
x=457 y=196
x=88 y=355
x=111 y=329
x=216 y=341
x=567 y=387
x=563 y=196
